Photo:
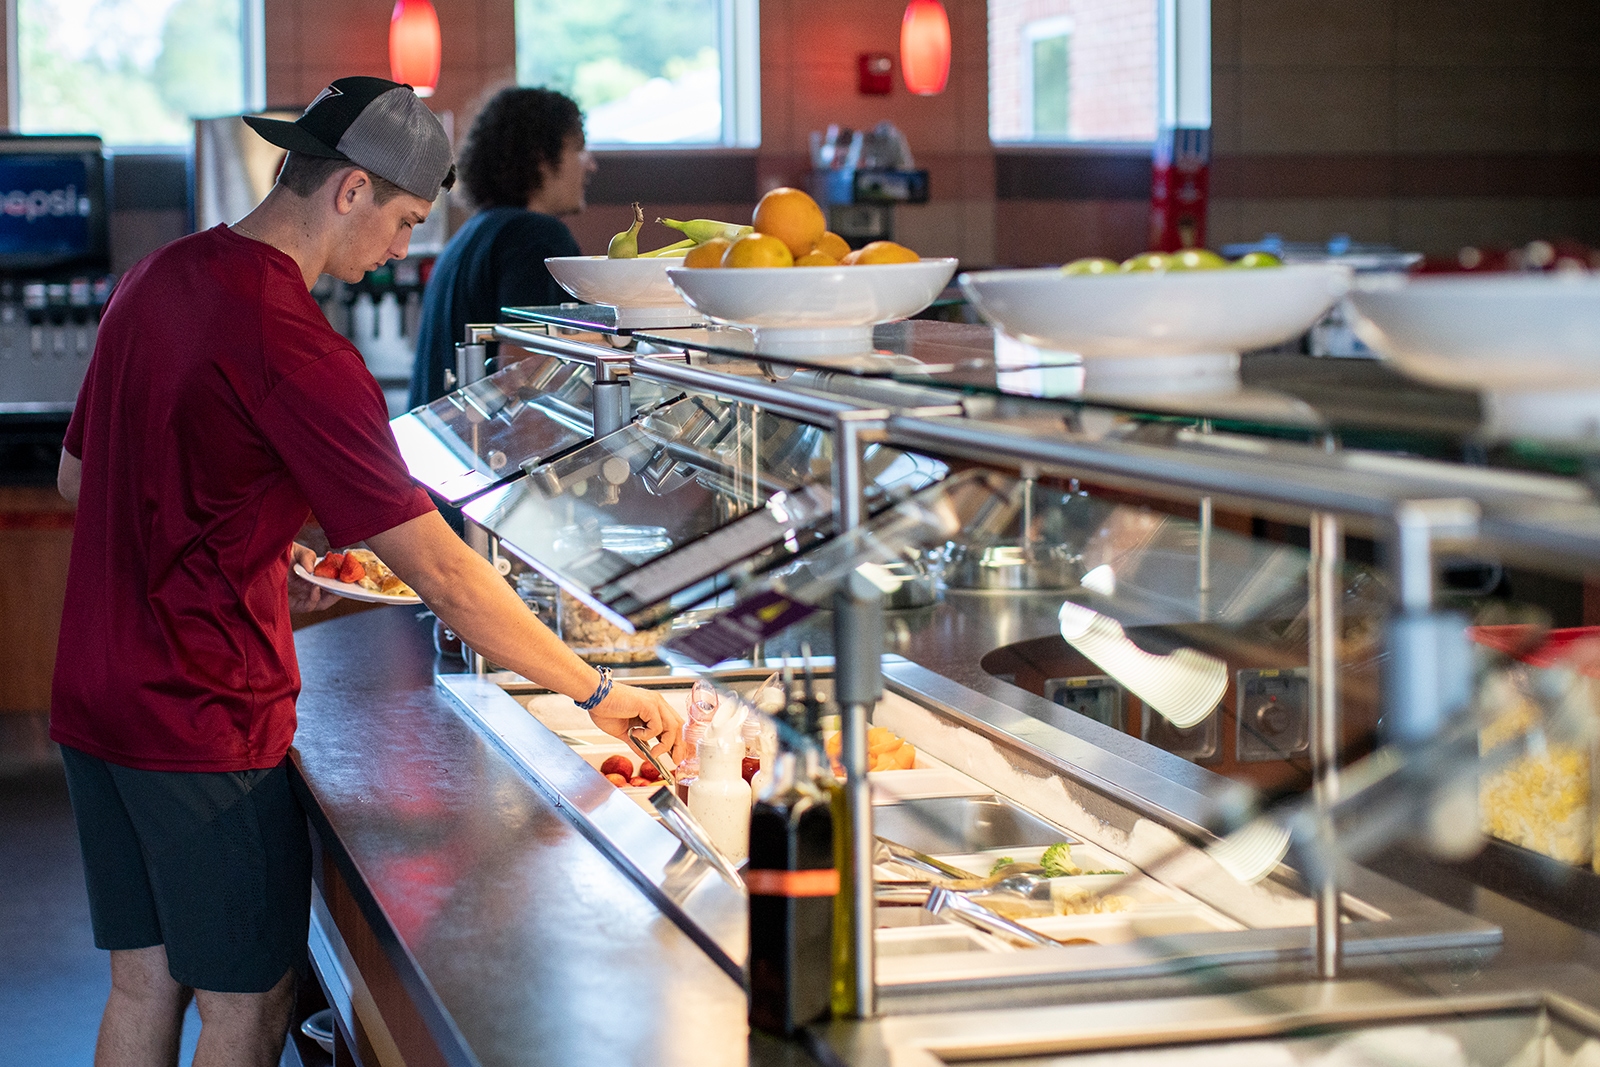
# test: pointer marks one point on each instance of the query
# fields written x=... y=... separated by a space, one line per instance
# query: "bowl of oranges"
x=800 y=287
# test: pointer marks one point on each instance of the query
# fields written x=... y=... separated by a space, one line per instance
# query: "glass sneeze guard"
x=490 y=431
x=675 y=507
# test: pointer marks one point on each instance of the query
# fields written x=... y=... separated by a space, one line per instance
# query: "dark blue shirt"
x=496 y=260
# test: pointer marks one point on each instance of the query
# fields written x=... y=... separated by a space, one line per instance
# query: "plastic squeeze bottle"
x=720 y=797
x=701 y=706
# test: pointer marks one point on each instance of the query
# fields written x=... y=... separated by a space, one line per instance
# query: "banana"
x=676 y=246
x=625 y=245
x=701 y=230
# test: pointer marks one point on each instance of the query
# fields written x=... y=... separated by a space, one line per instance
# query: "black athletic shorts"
x=216 y=866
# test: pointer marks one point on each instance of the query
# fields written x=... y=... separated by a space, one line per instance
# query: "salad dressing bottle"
x=720 y=797
x=793 y=881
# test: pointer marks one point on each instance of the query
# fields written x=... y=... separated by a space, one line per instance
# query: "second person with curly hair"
x=523 y=167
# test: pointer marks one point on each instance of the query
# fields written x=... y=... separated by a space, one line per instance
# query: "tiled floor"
x=53 y=981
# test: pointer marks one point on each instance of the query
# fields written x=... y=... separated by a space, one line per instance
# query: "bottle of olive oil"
x=792 y=879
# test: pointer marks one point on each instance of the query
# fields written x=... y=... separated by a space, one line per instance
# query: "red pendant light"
x=414 y=45
x=925 y=47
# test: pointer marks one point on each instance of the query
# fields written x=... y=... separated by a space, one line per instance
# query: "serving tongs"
x=957 y=907
x=641 y=744
x=686 y=828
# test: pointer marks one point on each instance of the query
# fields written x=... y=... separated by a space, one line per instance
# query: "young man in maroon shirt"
x=220 y=409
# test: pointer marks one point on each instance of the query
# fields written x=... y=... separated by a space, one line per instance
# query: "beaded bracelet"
x=600 y=693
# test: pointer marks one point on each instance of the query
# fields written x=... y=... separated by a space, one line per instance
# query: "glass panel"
x=593 y=318
x=535 y=409
x=643 y=72
x=133 y=71
x=649 y=520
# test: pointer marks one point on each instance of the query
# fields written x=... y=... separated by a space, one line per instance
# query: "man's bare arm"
x=69 y=476
x=464 y=590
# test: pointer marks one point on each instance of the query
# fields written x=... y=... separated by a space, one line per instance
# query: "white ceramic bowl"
x=813 y=310
x=1205 y=317
x=637 y=289
x=1512 y=332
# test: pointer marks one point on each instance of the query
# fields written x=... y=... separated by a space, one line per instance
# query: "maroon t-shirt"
x=218 y=411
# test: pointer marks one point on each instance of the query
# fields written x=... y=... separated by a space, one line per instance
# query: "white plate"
x=351 y=591
x=813 y=310
x=1510 y=332
x=637 y=289
x=1206 y=316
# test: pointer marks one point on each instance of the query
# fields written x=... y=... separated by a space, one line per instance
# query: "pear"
x=625 y=245
x=702 y=230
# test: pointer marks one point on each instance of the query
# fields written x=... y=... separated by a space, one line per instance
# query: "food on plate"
x=1056 y=862
x=1196 y=259
x=360 y=566
x=758 y=250
x=880 y=252
x=1256 y=260
x=617 y=765
x=791 y=216
x=886 y=751
x=638 y=782
x=1000 y=864
x=648 y=772
x=707 y=253
x=617 y=780
x=625 y=245
x=1092 y=265
x=1540 y=800
x=1076 y=900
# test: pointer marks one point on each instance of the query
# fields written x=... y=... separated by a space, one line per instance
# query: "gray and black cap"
x=378 y=125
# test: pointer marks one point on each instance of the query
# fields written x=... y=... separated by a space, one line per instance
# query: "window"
x=135 y=71
x=648 y=72
x=1073 y=70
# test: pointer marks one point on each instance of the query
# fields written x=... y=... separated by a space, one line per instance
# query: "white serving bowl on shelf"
x=1170 y=327
x=813 y=310
x=636 y=289
x=1529 y=342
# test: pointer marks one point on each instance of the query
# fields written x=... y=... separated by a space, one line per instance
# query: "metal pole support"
x=1323 y=608
x=612 y=410
x=858 y=683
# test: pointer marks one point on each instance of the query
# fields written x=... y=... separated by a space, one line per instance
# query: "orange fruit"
x=706 y=253
x=833 y=245
x=757 y=250
x=886 y=252
x=851 y=258
x=816 y=258
x=792 y=217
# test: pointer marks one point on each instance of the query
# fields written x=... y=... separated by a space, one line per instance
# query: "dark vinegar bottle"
x=792 y=882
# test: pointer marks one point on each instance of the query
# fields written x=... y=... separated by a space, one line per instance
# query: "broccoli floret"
x=1057 y=861
x=1003 y=861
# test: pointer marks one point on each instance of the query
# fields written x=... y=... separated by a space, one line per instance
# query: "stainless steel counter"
x=476 y=925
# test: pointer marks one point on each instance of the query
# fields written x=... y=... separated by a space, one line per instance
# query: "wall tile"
x=1042 y=232
x=1287 y=109
x=1572 y=33
x=1469 y=33
x=1442 y=226
x=1225 y=32
x=1574 y=101
x=1236 y=221
x=1469 y=110
x=1226 y=102
x=1317 y=33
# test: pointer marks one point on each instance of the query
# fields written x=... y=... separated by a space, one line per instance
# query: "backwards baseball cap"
x=378 y=125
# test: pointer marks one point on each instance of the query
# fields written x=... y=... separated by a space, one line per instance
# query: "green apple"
x=1257 y=260
x=1196 y=259
x=1092 y=265
x=1147 y=261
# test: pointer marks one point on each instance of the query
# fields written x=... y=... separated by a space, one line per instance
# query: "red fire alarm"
x=876 y=70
